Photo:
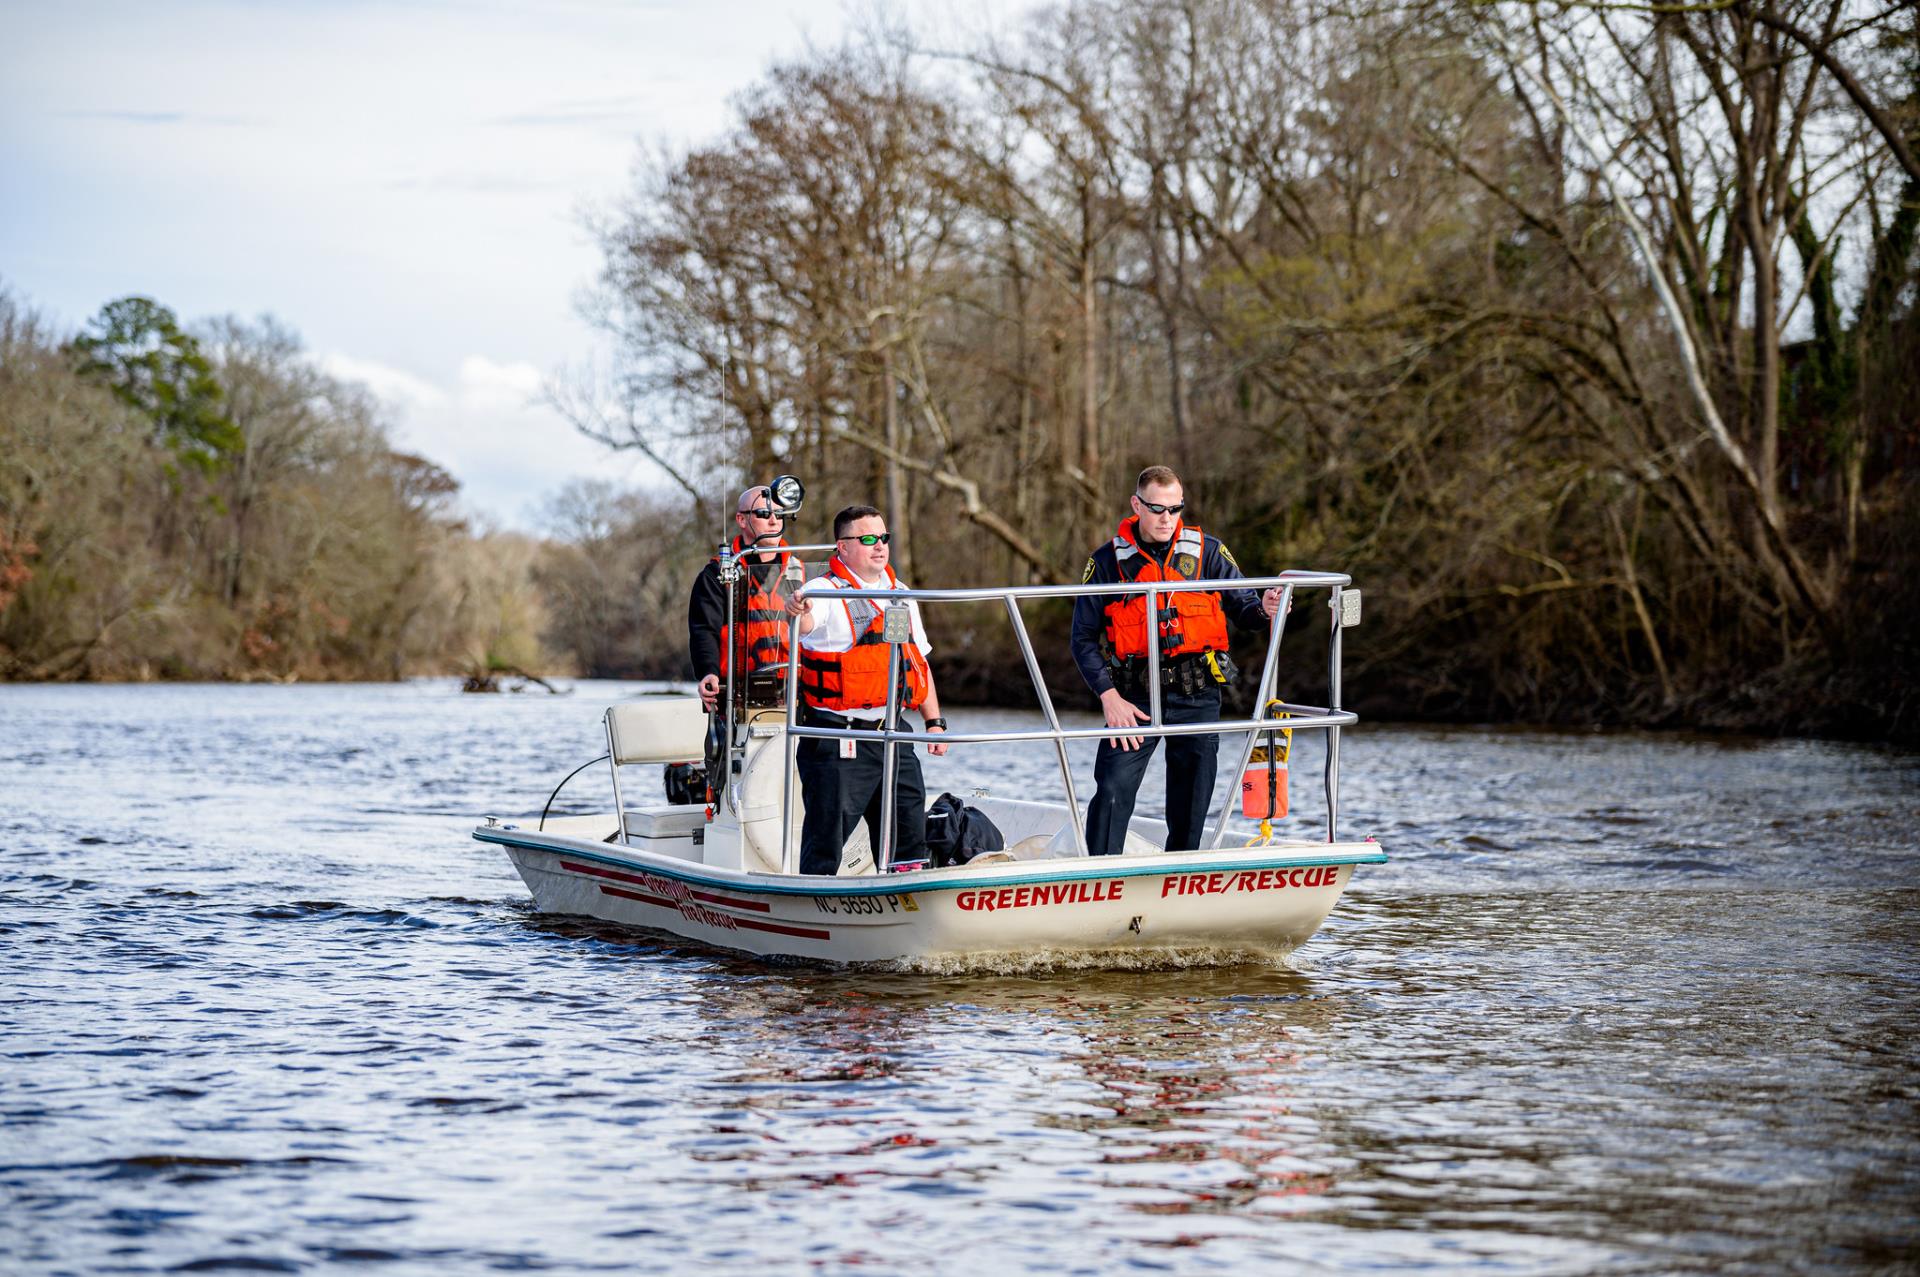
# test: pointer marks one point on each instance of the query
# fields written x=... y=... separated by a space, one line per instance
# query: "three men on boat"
x=757 y=638
x=844 y=663
x=1110 y=646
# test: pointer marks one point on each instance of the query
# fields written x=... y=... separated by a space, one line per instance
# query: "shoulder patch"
x=1088 y=574
x=1227 y=554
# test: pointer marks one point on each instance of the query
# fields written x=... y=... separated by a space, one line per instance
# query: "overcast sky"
x=400 y=182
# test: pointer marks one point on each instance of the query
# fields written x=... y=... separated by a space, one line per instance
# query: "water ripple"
x=1620 y=1003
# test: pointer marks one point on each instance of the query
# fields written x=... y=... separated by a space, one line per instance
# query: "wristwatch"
x=932 y=723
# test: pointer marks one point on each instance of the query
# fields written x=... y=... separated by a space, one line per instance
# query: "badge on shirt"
x=1088 y=574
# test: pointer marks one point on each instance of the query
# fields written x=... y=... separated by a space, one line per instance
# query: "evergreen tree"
x=137 y=347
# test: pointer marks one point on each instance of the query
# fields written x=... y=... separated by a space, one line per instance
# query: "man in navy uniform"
x=1110 y=647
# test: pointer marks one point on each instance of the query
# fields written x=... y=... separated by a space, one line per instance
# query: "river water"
x=1620 y=1003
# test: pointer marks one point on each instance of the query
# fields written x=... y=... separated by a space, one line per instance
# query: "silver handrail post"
x=729 y=573
x=613 y=766
x=1333 y=732
x=729 y=633
x=789 y=745
x=1153 y=657
x=884 y=859
x=1053 y=719
x=1269 y=672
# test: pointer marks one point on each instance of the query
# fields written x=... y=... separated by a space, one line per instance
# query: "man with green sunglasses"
x=843 y=683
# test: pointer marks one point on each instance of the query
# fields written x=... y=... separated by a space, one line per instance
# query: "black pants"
x=1191 y=764
x=841 y=792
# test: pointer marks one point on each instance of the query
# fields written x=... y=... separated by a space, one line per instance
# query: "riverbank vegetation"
x=1585 y=338
x=208 y=504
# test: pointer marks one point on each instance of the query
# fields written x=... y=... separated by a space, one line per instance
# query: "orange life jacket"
x=757 y=638
x=857 y=678
x=1190 y=620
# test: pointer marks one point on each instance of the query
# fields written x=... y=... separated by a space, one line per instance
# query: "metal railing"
x=730 y=577
x=1343 y=612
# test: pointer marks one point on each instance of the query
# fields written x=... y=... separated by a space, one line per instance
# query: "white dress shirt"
x=833 y=626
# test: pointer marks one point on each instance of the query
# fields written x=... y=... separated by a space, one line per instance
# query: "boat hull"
x=1243 y=902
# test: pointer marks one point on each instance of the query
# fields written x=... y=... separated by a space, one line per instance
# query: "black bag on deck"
x=956 y=833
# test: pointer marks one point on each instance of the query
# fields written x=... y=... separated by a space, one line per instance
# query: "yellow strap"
x=1275 y=711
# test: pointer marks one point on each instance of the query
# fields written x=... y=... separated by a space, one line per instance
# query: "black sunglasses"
x=764 y=512
x=871 y=538
x=1157 y=508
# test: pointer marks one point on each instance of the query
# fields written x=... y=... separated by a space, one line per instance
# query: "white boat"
x=725 y=874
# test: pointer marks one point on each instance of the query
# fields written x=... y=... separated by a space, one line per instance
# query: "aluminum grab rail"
x=988 y=594
x=1219 y=726
x=1309 y=718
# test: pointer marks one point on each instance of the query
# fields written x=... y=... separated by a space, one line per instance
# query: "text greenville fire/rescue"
x=1196 y=884
x=1208 y=884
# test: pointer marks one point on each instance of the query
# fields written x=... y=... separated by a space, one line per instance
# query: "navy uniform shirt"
x=1090 y=611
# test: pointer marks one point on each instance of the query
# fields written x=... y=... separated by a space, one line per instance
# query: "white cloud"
x=486 y=425
x=395 y=388
x=482 y=381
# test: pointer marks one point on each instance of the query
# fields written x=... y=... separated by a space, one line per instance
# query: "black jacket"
x=707 y=610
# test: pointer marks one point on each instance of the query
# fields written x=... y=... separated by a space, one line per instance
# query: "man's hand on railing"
x=1122 y=712
x=1270 y=602
x=710 y=692
x=801 y=607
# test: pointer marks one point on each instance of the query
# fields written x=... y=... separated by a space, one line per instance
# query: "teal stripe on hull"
x=903 y=883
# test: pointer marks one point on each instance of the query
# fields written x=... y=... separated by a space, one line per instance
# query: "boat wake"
x=1043 y=961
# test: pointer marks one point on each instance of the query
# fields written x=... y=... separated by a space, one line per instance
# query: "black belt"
x=811 y=717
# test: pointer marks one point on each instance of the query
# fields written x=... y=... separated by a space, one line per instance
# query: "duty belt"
x=1189 y=675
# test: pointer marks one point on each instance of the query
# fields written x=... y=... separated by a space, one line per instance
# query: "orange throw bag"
x=1263 y=786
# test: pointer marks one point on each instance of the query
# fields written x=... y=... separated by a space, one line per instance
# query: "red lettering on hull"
x=669 y=887
x=991 y=899
x=1209 y=884
x=692 y=904
x=714 y=918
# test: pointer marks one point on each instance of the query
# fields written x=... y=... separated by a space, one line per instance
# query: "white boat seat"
x=658 y=729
